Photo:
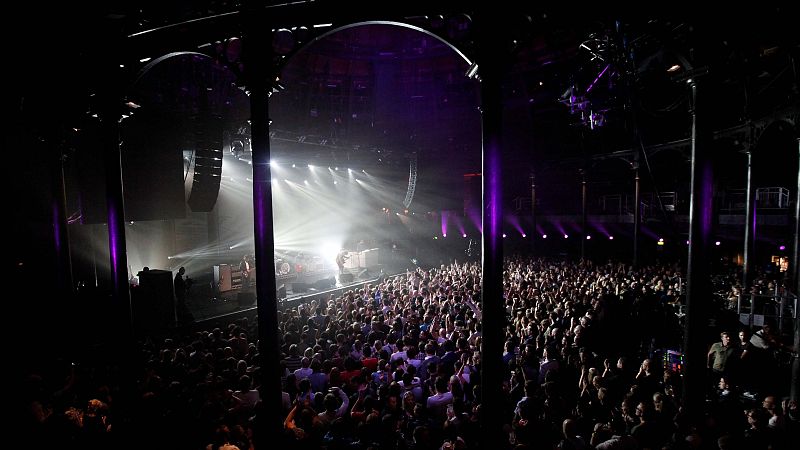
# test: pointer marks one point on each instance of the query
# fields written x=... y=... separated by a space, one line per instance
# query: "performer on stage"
x=246 y=267
x=341 y=257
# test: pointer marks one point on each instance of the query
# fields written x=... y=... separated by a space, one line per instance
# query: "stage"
x=207 y=305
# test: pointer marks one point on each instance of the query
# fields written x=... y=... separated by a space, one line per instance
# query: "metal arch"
x=412 y=180
x=292 y=16
x=143 y=71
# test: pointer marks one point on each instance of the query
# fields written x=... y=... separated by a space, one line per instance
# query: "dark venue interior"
x=422 y=225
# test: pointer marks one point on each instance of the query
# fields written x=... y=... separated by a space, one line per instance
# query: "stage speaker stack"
x=346 y=278
x=325 y=284
x=207 y=163
x=153 y=302
x=246 y=299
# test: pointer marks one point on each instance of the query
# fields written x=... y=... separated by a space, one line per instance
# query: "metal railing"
x=778 y=306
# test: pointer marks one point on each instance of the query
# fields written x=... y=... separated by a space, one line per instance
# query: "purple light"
x=113 y=238
x=464 y=235
x=444 y=234
x=782 y=248
x=566 y=236
x=602 y=72
x=524 y=235
x=56 y=227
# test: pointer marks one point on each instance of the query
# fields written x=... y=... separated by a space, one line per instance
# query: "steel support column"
x=491 y=60
x=749 y=226
x=60 y=229
x=534 y=233
x=258 y=71
x=795 y=270
x=637 y=213
x=117 y=246
x=583 y=214
x=698 y=270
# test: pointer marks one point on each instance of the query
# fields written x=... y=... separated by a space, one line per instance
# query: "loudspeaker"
x=325 y=284
x=152 y=156
x=207 y=163
x=282 y=291
x=300 y=287
x=153 y=302
x=246 y=299
x=346 y=278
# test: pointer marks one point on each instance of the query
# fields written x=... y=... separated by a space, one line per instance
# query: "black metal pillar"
x=109 y=131
x=534 y=232
x=749 y=226
x=795 y=270
x=491 y=45
x=122 y=331
x=583 y=214
x=698 y=270
x=637 y=212
x=258 y=72
x=60 y=229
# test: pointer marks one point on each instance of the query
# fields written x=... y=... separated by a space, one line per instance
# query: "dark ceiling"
x=578 y=83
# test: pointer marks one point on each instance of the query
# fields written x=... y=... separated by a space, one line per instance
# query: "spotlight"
x=335 y=182
x=504 y=235
x=566 y=236
x=660 y=239
x=717 y=243
x=611 y=238
x=310 y=167
x=444 y=234
x=524 y=235
x=294 y=166
x=273 y=163
x=464 y=235
x=472 y=71
x=544 y=236
x=588 y=237
x=782 y=248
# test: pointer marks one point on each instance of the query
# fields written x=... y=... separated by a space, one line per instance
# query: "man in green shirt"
x=720 y=351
